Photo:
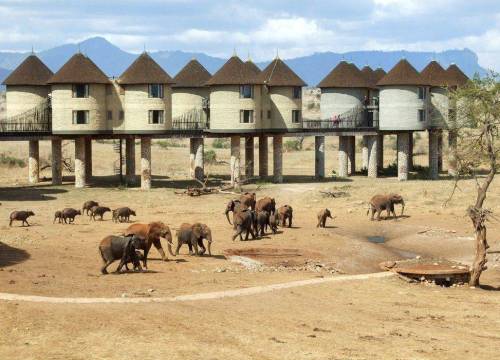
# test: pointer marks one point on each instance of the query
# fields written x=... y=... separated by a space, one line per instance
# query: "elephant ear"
x=197 y=231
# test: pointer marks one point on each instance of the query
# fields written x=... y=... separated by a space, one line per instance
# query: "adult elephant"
x=244 y=221
x=233 y=206
x=193 y=235
x=249 y=200
x=379 y=203
x=266 y=204
x=150 y=234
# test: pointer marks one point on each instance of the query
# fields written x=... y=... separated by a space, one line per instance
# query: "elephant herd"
x=250 y=217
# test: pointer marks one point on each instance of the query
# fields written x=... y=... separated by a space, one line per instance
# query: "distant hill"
x=113 y=61
x=4 y=73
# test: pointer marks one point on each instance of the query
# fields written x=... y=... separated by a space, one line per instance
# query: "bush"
x=221 y=143
x=293 y=145
x=11 y=161
x=165 y=144
x=210 y=157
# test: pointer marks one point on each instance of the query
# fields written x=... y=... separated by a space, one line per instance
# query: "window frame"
x=109 y=115
x=297 y=92
x=75 y=117
x=242 y=92
x=299 y=116
x=161 y=92
x=161 y=117
x=422 y=115
x=422 y=93
x=86 y=91
x=251 y=116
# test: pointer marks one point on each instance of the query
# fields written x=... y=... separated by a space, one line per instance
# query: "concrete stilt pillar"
x=34 y=162
x=433 y=155
x=88 y=159
x=145 y=163
x=410 y=151
x=199 y=161
x=263 y=159
x=192 y=156
x=380 y=151
x=364 y=153
x=278 y=158
x=235 y=160
x=343 y=157
x=130 y=159
x=80 y=167
x=249 y=157
x=440 y=151
x=372 y=157
x=56 y=162
x=403 y=155
x=319 y=157
x=351 y=154
x=452 y=149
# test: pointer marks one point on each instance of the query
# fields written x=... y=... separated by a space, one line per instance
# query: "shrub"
x=165 y=144
x=293 y=145
x=11 y=161
x=221 y=143
x=210 y=157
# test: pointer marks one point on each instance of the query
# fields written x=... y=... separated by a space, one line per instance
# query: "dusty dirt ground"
x=368 y=319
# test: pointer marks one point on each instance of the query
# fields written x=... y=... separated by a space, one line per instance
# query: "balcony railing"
x=195 y=119
x=25 y=127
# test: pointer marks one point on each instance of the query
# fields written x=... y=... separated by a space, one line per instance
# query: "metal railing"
x=36 y=119
x=25 y=127
x=195 y=119
x=358 y=117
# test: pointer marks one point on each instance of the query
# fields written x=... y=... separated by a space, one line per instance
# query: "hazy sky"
x=258 y=26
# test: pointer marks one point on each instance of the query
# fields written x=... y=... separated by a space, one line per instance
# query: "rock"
x=124 y=295
x=151 y=290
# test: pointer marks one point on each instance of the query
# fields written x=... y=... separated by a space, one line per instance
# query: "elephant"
x=261 y=223
x=244 y=220
x=57 y=216
x=120 y=247
x=274 y=222
x=322 y=216
x=123 y=214
x=20 y=216
x=378 y=203
x=69 y=214
x=268 y=204
x=285 y=213
x=87 y=205
x=193 y=235
x=150 y=235
x=233 y=206
x=249 y=200
x=98 y=210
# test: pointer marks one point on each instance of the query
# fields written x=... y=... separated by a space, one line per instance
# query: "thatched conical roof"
x=378 y=74
x=192 y=75
x=234 y=72
x=144 y=70
x=456 y=77
x=32 y=71
x=277 y=73
x=435 y=75
x=79 y=69
x=403 y=73
x=345 y=75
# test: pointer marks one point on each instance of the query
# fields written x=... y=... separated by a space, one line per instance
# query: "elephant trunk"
x=169 y=244
x=227 y=216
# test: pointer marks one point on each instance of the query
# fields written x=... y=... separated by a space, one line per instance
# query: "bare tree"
x=475 y=120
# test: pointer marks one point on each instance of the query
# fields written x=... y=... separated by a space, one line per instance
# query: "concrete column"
x=343 y=157
x=88 y=158
x=130 y=159
x=364 y=153
x=199 y=161
x=56 y=162
x=433 y=155
x=372 y=157
x=319 y=157
x=235 y=160
x=278 y=158
x=380 y=151
x=80 y=167
x=351 y=154
x=403 y=155
x=249 y=157
x=34 y=162
x=440 y=151
x=410 y=151
x=452 y=149
x=145 y=163
x=192 y=156
x=263 y=159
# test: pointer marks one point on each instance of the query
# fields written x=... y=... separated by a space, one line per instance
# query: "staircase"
x=35 y=120
x=118 y=164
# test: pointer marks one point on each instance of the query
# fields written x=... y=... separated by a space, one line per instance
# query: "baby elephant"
x=285 y=213
x=123 y=214
x=273 y=222
x=20 y=216
x=193 y=235
x=121 y=248
x=99 y=211
x=261 y=223
x=69 y=214
x=88 y=205
x=379 y=203
x=58 y=217
x=322 y=216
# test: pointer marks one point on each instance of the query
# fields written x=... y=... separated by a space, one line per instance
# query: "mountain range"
x=312 y=68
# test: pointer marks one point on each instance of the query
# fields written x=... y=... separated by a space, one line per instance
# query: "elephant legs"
x=202 y=247
x=104 y=270
x=290 y=221
x=157 y=244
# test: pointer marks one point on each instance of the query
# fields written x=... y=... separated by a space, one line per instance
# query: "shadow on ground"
x=10 y=255
x=30 y=193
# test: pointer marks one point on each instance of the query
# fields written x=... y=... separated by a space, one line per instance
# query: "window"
x=155 y=91
x=121 y=115
x=421 y=115
x=246 y=92
x=109 y=115
x=80 y=117
x=297 y=92
x=296 y=116
x=422 y=93
x=81 y=90
x=156 y=116
x=269 y=114
x=246 y=116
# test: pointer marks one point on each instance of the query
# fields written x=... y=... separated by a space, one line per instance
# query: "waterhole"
x=376 y=239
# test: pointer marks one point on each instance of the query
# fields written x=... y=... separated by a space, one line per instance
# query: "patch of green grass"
x=170 y=143
x=220 y=143
x=292 y=145
x=11 y=161
x=210 y=157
